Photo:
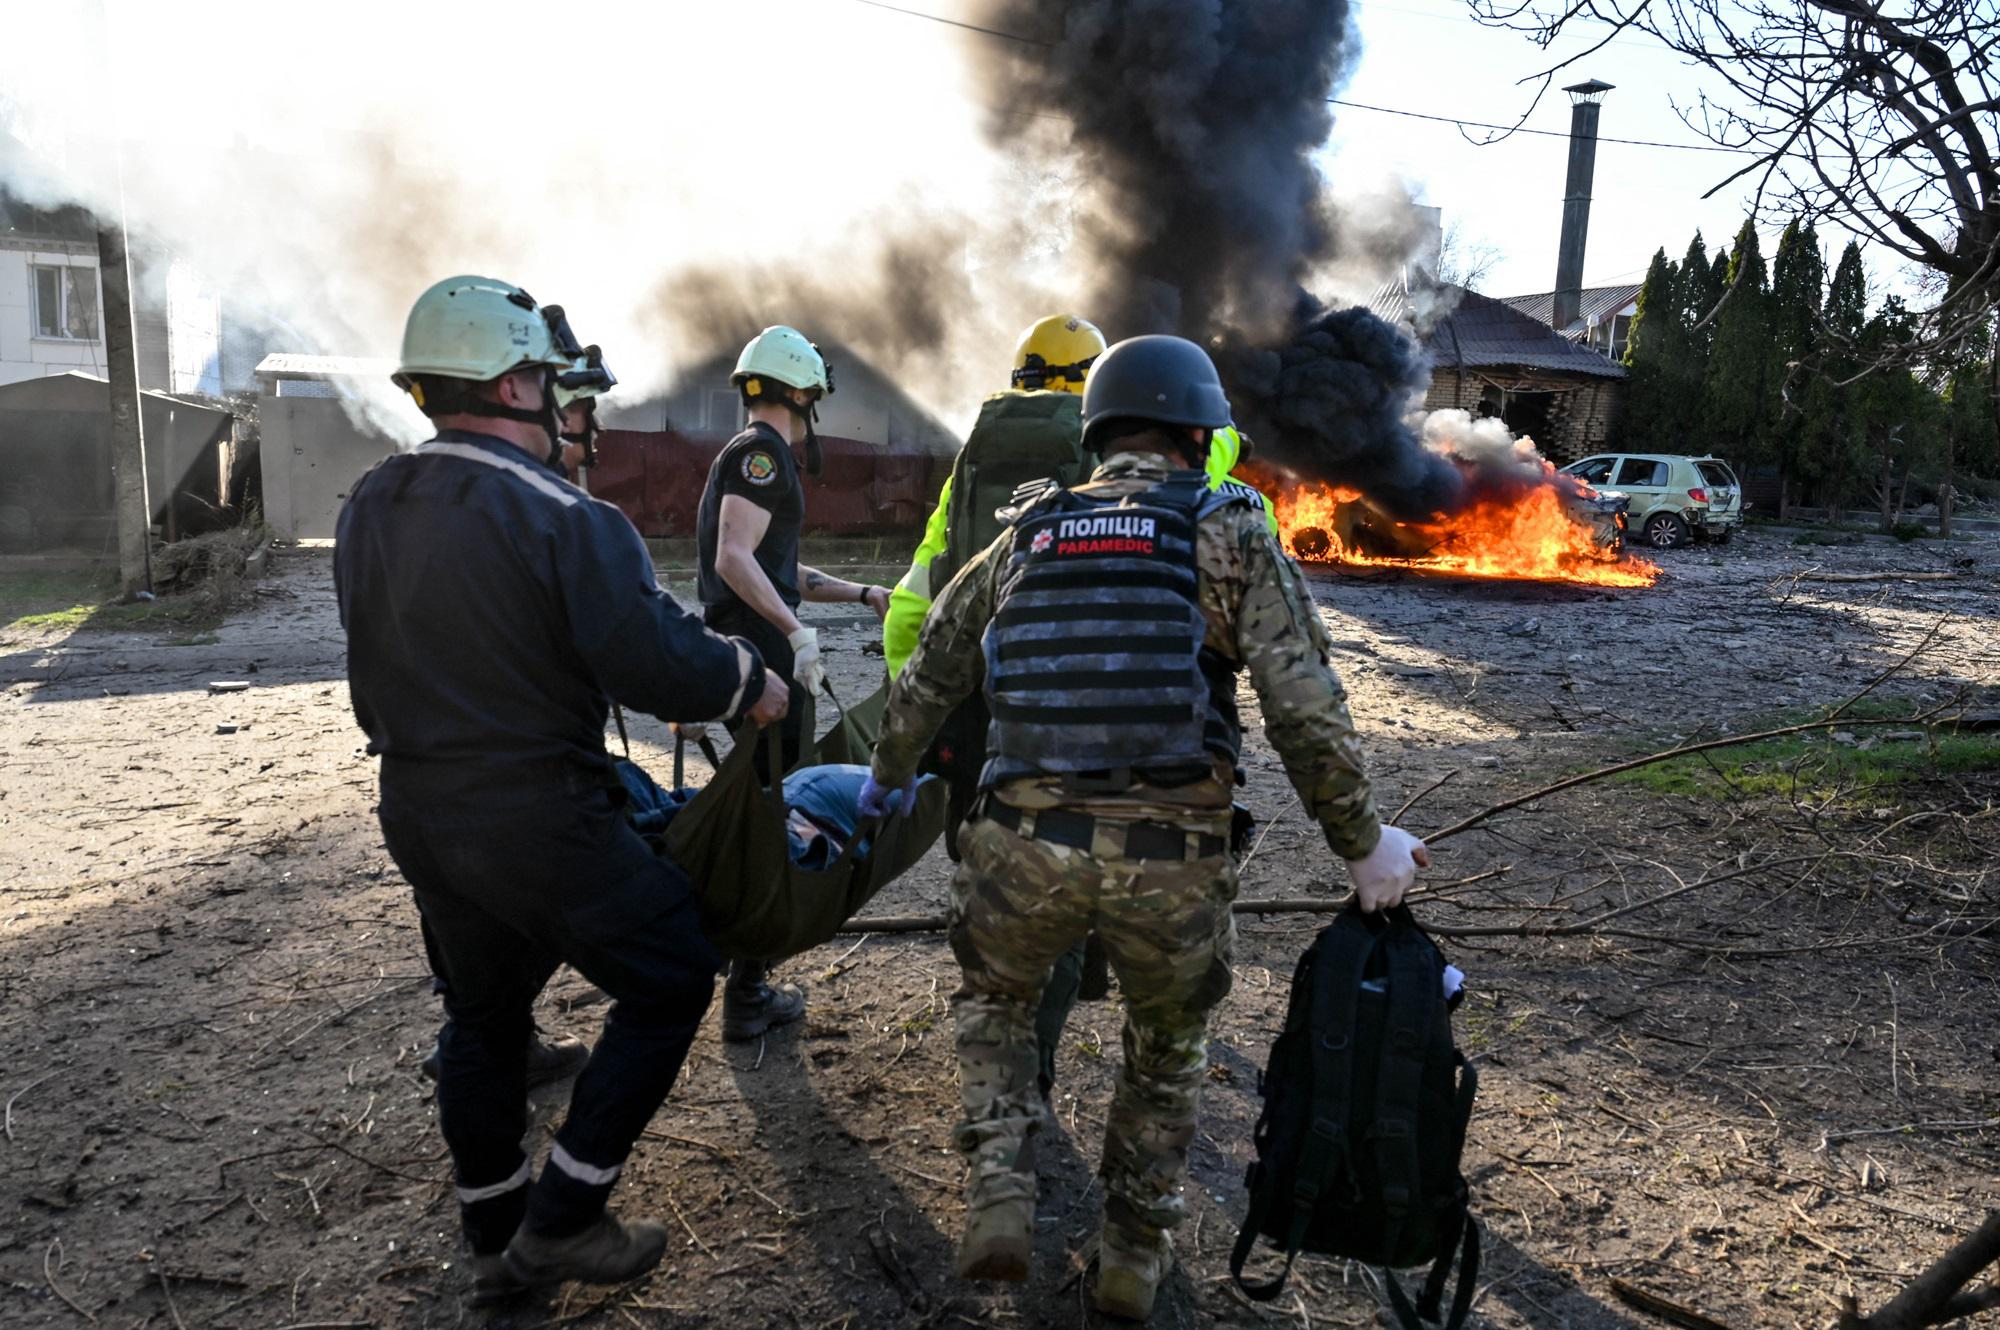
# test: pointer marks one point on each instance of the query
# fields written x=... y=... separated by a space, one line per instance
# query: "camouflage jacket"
x=1260 y=617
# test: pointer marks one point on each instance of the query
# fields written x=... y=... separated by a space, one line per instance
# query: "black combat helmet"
x=1168 y=380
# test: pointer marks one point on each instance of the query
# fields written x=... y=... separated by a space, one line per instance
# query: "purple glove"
x=877 y=801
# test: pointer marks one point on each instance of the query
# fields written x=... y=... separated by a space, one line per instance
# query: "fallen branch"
x=1879 y=577
x=1934 y=1297
x=9 y=1114
x=54 y=1247
x=1826 y=722
x=934 y=923
x=1665 y=1308
x=1911 y=1129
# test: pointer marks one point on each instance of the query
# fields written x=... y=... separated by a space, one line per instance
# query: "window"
x=1642 y=471
x=1717 y=474
x=66 y=303
x=1597 y=471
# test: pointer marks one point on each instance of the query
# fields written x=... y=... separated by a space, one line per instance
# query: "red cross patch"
x=1043 y=539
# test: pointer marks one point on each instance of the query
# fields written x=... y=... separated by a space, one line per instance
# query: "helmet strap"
x=587 y=437
x=809 y=413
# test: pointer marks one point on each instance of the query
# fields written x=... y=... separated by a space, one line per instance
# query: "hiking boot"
x=751 y=1007
x=608 y=1252
x=553 y=1058
x=1129 y=1272
x=550 y=1058
x=492 y=1282
x=999 y=1238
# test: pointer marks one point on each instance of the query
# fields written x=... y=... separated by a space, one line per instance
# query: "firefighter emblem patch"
x=1041 y=541
x=760 y=468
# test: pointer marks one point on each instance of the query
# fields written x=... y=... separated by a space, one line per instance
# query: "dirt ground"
x=1753 y=1098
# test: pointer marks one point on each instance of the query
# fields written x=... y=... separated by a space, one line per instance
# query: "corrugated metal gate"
x=656 y=478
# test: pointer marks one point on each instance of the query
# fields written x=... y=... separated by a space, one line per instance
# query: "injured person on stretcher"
x=822 y=808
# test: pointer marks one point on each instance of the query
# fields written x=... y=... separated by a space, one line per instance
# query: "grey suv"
x=1674 y=499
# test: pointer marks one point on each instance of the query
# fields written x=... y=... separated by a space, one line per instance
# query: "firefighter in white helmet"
x=492 y=614
x=577 y=391
x=752 y=582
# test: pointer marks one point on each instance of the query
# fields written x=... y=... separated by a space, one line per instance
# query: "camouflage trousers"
x=1017 y=906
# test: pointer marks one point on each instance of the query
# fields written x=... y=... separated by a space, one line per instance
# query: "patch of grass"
x=1827 y=538
x=198 y=579
x=1817 y=765
x=54 y=600
x=1909 y=531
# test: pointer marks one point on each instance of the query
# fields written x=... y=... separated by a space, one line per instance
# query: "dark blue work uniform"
x=757 y=466
x=492 y=611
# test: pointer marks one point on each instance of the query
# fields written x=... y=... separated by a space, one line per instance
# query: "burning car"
x=1518 y=517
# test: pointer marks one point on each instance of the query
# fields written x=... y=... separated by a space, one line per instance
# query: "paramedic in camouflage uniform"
x=1107 y=801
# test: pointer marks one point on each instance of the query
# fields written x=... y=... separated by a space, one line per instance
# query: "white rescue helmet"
x=784 y=356
x=478 y=328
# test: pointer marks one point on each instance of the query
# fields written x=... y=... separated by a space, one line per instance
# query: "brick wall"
x=1584 y=414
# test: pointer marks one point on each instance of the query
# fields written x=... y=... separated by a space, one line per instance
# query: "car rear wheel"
x=1665 y=531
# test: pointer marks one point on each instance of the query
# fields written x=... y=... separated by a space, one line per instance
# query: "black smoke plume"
x=1188 y=128
x=1332 y=402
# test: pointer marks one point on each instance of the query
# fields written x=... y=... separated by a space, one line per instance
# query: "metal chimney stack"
x=1584 y=101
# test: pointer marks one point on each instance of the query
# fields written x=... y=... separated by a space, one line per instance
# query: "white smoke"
x=675 y=175
x=320 y=166
x=1489 y=453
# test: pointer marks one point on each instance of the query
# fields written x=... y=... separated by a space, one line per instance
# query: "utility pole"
x=128 y=435
x=131 y=505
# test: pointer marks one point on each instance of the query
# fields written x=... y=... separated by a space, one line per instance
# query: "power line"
x=1548 y=133
x=1334 y=101
x=954 y=23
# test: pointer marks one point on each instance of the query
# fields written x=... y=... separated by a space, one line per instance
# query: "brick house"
x=1491 y=359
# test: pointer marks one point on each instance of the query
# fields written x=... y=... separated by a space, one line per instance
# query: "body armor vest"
x=1095 y=667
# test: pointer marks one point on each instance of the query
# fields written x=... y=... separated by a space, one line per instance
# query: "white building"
x=51 y=309
x=49 y=300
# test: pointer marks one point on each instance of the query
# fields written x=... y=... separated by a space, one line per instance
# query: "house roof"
x=288 y=365
x=22 y=221
x=1599 y=304
x=1480 y=332
x=75 y=390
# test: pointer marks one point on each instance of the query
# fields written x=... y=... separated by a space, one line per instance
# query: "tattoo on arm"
x=816 y=580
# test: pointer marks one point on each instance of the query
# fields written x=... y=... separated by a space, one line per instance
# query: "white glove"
x=1389 y=869
x=694 y=731
x=805 y=659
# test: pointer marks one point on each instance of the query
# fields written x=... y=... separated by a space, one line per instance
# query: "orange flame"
x=1528 y=535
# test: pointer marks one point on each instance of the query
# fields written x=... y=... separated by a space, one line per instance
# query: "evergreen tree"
x=1701 y=282
x=1655 y=351
x=1737 y=388
x=1832 y=447
x=1900 y=419
x=1797 y=282
x=1971 y=429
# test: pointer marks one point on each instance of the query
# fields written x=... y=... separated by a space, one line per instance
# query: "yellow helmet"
x=1056 y=353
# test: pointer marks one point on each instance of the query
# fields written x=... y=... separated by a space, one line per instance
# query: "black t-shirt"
x=757 y=464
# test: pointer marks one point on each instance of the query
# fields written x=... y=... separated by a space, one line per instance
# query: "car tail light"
x=1698 y=495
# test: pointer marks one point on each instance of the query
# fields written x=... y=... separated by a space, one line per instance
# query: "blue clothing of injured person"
x=822 y=808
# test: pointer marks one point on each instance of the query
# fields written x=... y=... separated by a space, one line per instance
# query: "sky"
x=672 y=174
x=1430 y=56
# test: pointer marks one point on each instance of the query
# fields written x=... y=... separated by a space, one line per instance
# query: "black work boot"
x=492 y=1281
x=751 y=1007
x=608 y=1252
x=550 y=1058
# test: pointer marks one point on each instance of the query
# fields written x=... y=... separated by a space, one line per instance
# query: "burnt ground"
x=1753 y=1098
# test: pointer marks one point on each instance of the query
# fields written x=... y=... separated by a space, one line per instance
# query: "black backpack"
x=1365 y=1108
